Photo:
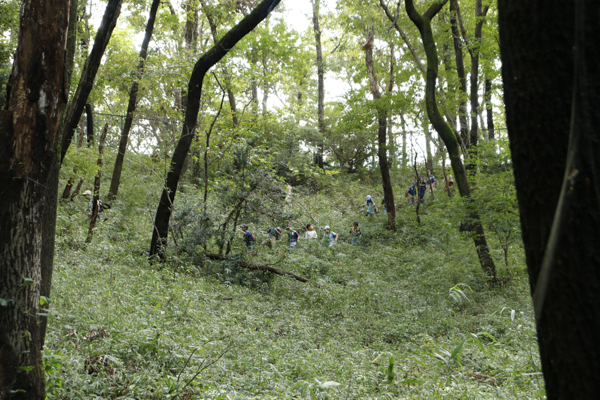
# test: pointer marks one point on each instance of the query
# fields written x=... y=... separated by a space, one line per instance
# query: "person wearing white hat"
x=90 y=206
x=329 y=237
x=371 y=207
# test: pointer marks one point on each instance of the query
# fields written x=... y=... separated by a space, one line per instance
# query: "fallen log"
x=260 y=267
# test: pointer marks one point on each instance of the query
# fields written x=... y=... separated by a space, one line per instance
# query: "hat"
x=368 y=197
x=244 y=226
x=87 y=192
x=288 y=227
x=326 y=227
x=355 y=224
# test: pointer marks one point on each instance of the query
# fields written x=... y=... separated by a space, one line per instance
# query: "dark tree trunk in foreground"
x=551 y=79
x=133 y=92
x=384 y=167
x=66 y=128
x=210 y=58
x=320 y=81
x=423 y=23
x=28 y=159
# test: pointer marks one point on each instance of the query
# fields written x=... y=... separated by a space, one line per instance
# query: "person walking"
x=410 y=194
x=274 y=234
x=310 y=232
x=248 y=238
x=371 y=207
x=293 y=237
x=355 y=234
x=329 y=237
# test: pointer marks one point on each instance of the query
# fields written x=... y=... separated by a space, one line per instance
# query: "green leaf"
x=44 y=300
x=458 y=348
x=28 y=282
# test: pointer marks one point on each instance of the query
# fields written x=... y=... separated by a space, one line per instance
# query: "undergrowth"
x=408 y=315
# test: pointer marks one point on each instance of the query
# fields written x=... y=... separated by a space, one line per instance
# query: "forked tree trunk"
x=551 y=80
x=423 y=23
x=133 y=92
x=27 y=167
x=210 y=58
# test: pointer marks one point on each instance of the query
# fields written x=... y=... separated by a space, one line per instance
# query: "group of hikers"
x=329 y=238
x=419 y=187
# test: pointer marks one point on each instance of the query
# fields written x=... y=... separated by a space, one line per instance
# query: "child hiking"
x=248 y=238
x=371 y=207
x=329 y=237
x=292 y=237
x=355 y=234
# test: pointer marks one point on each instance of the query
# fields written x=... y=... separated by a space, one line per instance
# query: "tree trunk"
x=321 y=82
x=474 y=48
x=489 y=108
x=36 y=96
x=210 y=58
x=230 y=95
x=88 y=75
x=89 y=112
x=551 y=80
x=133 y=92
x=423 y=23
x=384 y=167
x=69 y=120
x=460 y=71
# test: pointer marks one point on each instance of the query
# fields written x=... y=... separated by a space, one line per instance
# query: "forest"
x=266 y=199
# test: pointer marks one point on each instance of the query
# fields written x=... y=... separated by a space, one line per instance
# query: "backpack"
x=253 y=236
x=100 y=206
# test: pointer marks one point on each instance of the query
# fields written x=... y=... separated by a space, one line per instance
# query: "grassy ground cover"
x=403 y=316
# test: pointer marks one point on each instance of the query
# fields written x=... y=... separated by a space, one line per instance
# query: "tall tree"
x=31 y=148
x=133 y=92
x=551 y=81
x=210 y=58
x=321 y=82
x=382 y=112
x=423 y=23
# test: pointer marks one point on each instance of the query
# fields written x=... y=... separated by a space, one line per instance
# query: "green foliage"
x=406 y=315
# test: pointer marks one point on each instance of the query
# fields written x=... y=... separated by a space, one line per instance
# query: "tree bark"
x=384 y=167
x=89 y=113
x=551 y=78
x=423 y=23
x=489 y=108
x=133 y=92
x=479 y=15
x=88 y=75
x=321 y=82
x=230 y=95
x=210 y=58
x=460 y=72
x=37 y=92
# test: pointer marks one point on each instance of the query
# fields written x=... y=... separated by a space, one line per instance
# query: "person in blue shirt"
x=248 y=237
x=329 y=237
x=292 y=237
x=422 y=188
x=410 y=195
